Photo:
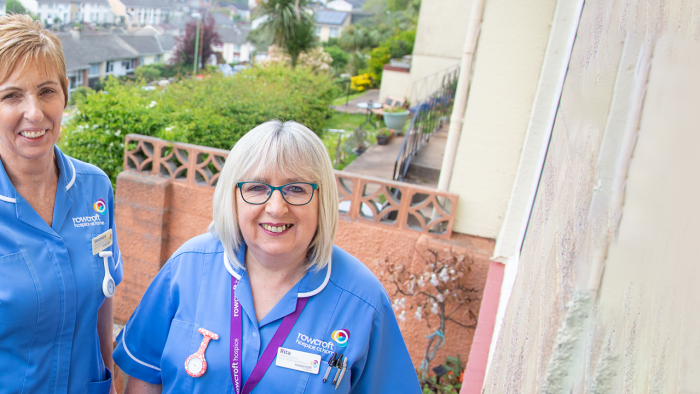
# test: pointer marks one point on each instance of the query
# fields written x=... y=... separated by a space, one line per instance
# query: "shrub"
x=362 y=82
x=340 y=57
x=399 y=45
x=80 y=93
x=215 y=111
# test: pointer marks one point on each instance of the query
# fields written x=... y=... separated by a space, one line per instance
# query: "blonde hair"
x=293 y=151
x=23 y=40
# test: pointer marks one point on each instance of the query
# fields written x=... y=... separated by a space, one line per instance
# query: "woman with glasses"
x=265 y=302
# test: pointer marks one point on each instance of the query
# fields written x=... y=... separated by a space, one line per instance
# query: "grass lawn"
x=347 y=122
x=342 y=100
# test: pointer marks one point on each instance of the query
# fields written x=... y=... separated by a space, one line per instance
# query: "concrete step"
x=426 y=164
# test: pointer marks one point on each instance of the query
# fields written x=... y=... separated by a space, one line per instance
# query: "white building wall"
x=395 y=84
x=2 y=8
x=509 y=58
x=47 y=12
x=442 y=29
x=97 y=13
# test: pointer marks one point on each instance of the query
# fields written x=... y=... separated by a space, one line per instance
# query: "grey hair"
x=294 y=151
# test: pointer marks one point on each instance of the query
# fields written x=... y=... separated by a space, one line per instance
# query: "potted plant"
x=395 y=118
x=383 y=136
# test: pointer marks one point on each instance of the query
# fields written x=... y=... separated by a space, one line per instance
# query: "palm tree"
x=290 y=25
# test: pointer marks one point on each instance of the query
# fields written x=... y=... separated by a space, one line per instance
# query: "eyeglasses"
x=297 y=193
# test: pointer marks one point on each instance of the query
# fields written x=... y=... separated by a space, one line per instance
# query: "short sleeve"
x=387 y=366
x=117 y=262
x=140 y=344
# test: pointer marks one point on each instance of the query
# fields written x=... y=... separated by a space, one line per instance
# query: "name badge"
x=102 y=242
x=299 y=361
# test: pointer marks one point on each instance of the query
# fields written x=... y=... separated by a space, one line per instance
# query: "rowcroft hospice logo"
x=341 y=337
x=94 y=220
x=100 y=206
x=315 y=344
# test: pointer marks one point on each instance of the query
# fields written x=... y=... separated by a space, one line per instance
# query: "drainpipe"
x=460 y=103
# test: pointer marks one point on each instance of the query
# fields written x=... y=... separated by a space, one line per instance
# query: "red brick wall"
x=155 y=216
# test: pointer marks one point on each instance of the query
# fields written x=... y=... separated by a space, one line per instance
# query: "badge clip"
x=196 y=364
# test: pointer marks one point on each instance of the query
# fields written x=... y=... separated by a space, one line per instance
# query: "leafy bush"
x=362 y=82
x=339 y=56
x=80 y=93
x=215 y=111
x=397 y=46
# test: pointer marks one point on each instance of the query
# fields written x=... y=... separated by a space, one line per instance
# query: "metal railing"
x=428 y=117
x=362 y=198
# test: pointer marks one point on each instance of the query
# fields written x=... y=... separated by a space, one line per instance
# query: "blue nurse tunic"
x=51 y=284
x=193 y=290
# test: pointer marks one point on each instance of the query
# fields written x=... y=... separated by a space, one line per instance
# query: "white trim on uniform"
x=311 y=293
x=8 y=199
x=72 y=178
x=323 y=285
x=134 y=358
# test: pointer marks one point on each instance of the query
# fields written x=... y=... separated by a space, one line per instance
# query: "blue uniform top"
x=193 y=290
x=51 y=284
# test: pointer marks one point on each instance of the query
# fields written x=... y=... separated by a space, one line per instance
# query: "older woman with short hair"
x=265 y=302
x=59 y=260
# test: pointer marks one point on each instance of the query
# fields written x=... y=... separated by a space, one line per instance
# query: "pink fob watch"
x=196 y=364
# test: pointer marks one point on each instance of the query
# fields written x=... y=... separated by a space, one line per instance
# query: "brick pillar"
x=142 y=214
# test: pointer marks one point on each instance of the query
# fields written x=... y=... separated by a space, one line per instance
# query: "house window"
x=127 y=64
x=110 y=67
x=334 y=32
x=318 y=31
x=94 y=69
x=75 y=80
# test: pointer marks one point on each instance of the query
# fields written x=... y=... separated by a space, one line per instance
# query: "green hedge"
x=215 y=111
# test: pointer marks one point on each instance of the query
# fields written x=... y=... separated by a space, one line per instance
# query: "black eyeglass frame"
x=272 y=190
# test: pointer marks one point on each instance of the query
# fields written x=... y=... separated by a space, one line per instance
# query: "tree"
x=290 y=26
x=185 y=46
x=15 y=7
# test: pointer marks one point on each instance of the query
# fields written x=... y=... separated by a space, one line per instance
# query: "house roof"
x=167 y=41
x=80 y=52
x=241 y=6
x=54 y=1
x=229 y=35
x=327 y=17
x=221 y=19
x=144 y=45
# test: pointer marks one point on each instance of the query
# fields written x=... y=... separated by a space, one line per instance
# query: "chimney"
x=75 y=33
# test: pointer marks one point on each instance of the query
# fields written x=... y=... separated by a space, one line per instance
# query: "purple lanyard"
x=270 y=351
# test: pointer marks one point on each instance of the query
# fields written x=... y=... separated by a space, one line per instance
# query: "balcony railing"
x=428 y=117
x=362 y=198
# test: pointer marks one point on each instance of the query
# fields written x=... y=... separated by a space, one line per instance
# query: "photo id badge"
x=102 y=242
x=300 y=361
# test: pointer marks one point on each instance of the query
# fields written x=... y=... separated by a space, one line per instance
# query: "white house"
x=2 y=8
x=96 y=11
x=53 y=11
x=330 y=24
x=138 y=13
x=235 y=48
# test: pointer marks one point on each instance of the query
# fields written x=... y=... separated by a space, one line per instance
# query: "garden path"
x=352 y=108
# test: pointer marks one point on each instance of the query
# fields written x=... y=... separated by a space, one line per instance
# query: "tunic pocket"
x=102 y=387
x=177 y=348
x=18 y=294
